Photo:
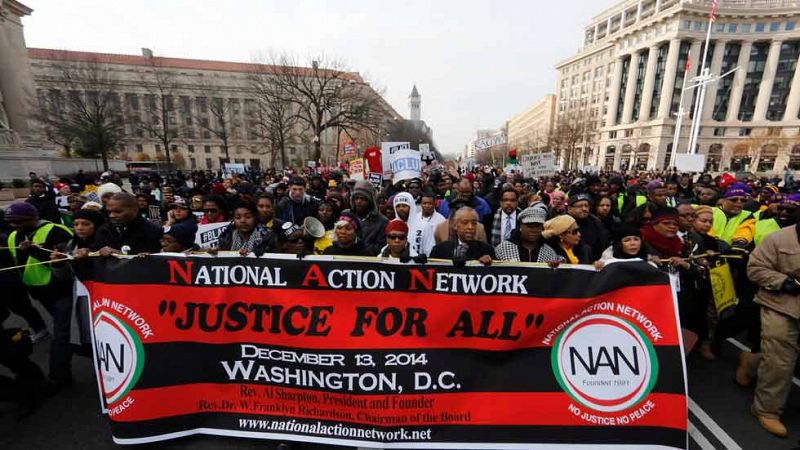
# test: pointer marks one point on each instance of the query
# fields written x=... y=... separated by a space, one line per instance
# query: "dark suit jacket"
x=445 y=250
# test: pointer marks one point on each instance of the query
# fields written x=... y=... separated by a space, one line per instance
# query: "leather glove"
x=790 y=286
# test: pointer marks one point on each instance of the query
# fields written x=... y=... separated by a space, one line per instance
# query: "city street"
x=719 y=415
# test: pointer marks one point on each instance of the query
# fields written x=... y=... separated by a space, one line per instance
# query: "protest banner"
x=207 y=235
x=388 y=149
x=405 y=165
x=536 y=165
x=356 y=169
x=378 y=354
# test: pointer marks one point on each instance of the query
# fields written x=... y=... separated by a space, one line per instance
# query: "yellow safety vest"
x=725 y=228
x=34 y=274
x=764 y=228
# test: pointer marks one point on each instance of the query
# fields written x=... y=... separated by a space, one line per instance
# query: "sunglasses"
x=396 y=237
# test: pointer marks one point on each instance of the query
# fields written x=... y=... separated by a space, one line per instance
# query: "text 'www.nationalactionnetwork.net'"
x=339 y=430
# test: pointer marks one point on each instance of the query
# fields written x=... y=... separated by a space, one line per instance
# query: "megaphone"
x=312 y=227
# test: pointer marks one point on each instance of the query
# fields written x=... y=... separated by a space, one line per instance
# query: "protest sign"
x=378 y=354
x=388 y=149
x=690 y=163
x=536 y=165
x=376 y=179
x=232 y=168
x=356 y=169
x=207 y=235
x=405 y=165
x=349 y=150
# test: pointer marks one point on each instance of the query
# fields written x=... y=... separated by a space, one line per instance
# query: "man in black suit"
x=465 y=247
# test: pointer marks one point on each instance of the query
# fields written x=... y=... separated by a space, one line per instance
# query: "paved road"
x=718 y=415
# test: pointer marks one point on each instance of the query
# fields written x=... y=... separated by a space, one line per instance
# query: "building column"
x=649 y=79
x=613 y=98
x=670 y=73
x=658 y=7
x=639 y=11
x=596 y=31
x=630 y=89
x=694 y=54
x=793 y=103
x=608 y=27
x=767 y=80
x=738 y=82
x=16 y=80
x=711 y=89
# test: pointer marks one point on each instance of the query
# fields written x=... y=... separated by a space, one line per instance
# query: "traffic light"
x=512 y=156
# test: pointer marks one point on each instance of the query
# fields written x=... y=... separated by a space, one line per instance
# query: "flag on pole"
x=688 y=61
x=713 y=15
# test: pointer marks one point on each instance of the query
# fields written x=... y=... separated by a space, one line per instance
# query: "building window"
x=766 y=161
x=658 y=81
x=719 y=131
x=637 y=95
x=139 y=148
x=714 y=157
x=794 y=158
x=746 y=28
x=697 y=26
x=209 y=164
x=612 y=134
x=760 y=27
x=784 y=75
x=686 y=24
x=158 y=148
x=683 y=56
x=774 y=27
x=207 y=148
x=731 y=28
x=629 y=132
x=755 y=71
x=190 y=148
x=720 y=28
x=745 y=131
x=623 y=86
x=730 y=58
x=790 y=25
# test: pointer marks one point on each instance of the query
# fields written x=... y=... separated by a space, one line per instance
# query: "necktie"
x=507 y=232
x=461 y=250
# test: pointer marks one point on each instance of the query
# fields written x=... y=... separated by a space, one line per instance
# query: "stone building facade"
x=626 y=82
x=530 y=128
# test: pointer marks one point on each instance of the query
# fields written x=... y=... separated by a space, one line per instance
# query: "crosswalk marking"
x=698 y=437
x=723 y=437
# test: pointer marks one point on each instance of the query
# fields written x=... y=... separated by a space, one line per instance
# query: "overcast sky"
x=475 y=63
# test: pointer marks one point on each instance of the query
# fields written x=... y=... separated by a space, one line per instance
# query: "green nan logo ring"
x=120 y=355
x=604 y=363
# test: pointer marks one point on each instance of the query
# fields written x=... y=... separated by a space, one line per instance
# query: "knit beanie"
x=108 y=188
x=396 y=225
x=96 y=217
x=21 y=211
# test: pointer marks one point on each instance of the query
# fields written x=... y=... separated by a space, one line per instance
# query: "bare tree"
x=79 y=109
x=215 y=116
x=327 y=96
x=571 y=129
x=160 y=121
x=272 y=119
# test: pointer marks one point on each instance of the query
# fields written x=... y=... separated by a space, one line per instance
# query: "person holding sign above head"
x=465 y=247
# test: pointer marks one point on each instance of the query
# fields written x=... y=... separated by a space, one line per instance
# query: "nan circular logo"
x=605 y=363
x=120 y=355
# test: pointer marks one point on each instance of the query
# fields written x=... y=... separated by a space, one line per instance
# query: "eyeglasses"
x=396 y=237
x=736 y=199
x=210 y=210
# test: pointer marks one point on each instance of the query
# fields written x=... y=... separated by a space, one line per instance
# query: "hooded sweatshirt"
x=371 y=226
x=420 y=236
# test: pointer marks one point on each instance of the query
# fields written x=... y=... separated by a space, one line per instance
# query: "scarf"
x=255 y=238
x=668 y=247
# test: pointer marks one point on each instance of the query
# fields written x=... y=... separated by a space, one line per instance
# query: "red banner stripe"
x=443 y=312
x=485 y=408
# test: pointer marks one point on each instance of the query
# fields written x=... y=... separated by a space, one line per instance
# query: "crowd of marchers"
x=694 y=227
